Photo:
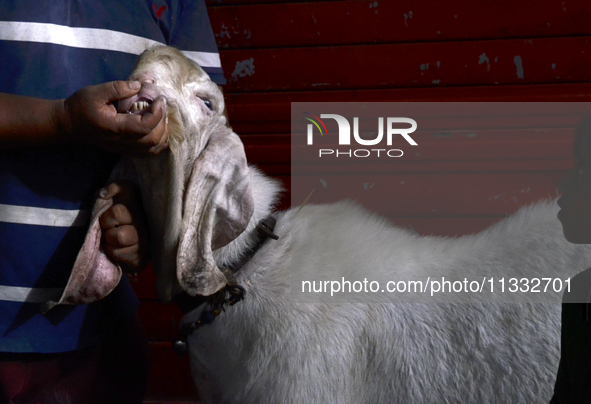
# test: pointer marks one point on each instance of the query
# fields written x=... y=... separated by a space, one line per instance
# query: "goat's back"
x=269 y=348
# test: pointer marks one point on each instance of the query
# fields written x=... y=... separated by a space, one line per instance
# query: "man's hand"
x=125 y=236
x=89 y=116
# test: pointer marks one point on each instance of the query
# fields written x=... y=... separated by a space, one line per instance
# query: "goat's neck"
x=265 y=192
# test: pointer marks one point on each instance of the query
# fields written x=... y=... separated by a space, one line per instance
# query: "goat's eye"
x=207 y=103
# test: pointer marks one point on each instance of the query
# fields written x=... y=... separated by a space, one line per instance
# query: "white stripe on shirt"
x=91 y=38
x=204 y=59
x=29 y=295
x=43 y=216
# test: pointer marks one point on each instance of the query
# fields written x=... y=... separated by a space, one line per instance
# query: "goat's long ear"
x=217 y=208
x=93 y=276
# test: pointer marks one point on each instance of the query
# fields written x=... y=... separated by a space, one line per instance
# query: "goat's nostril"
x=149 y=81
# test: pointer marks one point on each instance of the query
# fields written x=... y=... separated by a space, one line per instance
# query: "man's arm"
x=88 y=116
x=27 y=121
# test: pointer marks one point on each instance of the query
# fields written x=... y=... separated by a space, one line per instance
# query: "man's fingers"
x=110 y=190
x=119 y=90
x=122 y=236
x=140 y=125
x=116 y=215
x=157 y=140
x=126 y=255
x=154 y=115
x=155 y=111
x=123 y=189
x=132 y=127
x=123 y=226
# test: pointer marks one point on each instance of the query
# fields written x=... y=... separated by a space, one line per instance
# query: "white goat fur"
x=268 y=349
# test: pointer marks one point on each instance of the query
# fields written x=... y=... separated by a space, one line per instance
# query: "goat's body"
x=203 y=207
x=269 y=349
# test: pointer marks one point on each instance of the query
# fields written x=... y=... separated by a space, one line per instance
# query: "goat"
x=203 y=205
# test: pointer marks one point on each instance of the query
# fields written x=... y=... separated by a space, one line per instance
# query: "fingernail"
x=103 y=193
x=135 y=85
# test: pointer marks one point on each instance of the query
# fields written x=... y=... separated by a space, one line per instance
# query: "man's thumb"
x=119 y=90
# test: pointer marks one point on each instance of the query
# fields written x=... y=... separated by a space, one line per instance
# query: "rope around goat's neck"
x=229 y=295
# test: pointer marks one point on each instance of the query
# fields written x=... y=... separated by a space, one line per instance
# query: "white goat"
x=203 y=205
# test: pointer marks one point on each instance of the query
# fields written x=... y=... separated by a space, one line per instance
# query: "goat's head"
x=196 y=194
x=201 y=183
x=194 y=100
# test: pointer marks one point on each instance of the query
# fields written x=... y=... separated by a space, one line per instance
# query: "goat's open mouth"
x=140 y=106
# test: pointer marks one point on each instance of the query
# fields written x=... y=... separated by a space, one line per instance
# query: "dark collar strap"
x=186 y=303
x=264 y=230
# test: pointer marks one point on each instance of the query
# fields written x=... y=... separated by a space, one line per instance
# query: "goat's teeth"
x=139 y=106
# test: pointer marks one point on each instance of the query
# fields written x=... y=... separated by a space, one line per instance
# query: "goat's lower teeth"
x=139 y=105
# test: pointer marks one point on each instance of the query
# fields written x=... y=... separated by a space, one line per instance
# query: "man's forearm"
x=28 y=121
